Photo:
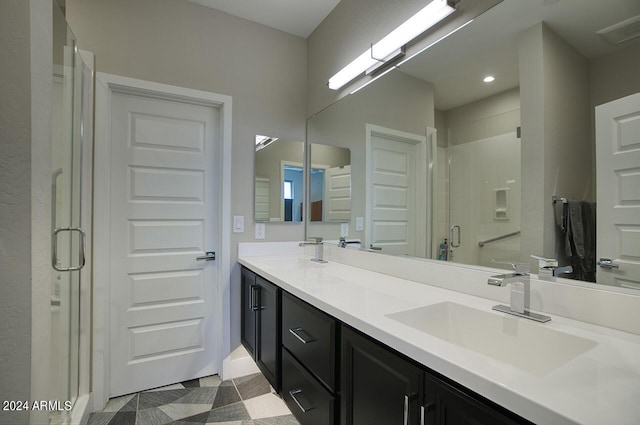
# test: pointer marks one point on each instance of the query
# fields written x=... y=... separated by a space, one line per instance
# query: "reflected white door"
x=164 y=214
x=337 y=194
x=618 y=210
x=396 y=191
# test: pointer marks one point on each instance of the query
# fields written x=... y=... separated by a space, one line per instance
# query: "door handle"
x=607 y=263
x=254 y=298
x=209 y=256
x=54 y=249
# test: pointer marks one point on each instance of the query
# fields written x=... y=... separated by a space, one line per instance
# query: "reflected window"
x=288 y=189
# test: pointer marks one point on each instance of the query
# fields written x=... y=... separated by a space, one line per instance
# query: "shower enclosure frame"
x=71 y=226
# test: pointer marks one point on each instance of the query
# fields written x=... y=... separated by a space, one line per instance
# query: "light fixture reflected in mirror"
x=386 y=49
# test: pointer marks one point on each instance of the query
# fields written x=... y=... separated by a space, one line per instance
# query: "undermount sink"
x=528 y=346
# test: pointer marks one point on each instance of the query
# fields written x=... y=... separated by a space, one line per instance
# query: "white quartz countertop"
x=600 y=386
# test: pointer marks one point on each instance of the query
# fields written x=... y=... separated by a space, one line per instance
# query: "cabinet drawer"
x=310 y=335
x=307 y=399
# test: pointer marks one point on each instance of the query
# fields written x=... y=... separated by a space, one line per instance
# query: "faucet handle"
x=316 y=239
x=545 y=262
x=518 y=268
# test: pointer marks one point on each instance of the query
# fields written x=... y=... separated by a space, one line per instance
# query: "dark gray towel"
x=579 y=219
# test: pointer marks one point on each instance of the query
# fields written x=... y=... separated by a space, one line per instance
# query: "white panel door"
x=337 y=194
x=618 y=210
x=164 y=213
x=396 y=192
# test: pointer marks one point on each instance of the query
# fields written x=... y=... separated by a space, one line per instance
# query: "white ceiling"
x=297 y=17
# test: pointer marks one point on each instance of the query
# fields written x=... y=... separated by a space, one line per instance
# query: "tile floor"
x=248 y=400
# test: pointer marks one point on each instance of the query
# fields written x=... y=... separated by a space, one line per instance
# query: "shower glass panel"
x=68 y=103
x=484 y=199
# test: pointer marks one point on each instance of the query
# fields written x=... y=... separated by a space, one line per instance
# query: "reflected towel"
x=579 y=219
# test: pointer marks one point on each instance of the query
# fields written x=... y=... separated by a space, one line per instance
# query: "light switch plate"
x=359 y=224
x=260 y=231
x=344 y=230
x=238 y=224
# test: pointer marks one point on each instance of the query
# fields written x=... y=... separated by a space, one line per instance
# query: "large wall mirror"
x=279 y=179
x=446 y=165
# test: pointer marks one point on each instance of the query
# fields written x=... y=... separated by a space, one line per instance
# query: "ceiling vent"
x=622 y=31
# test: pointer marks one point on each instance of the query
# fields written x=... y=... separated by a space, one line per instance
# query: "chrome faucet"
x=317 y=242
x=548 y=268
x=520 y=281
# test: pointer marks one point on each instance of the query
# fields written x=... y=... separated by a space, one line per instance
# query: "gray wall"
x=488 y=117
x=15 y=207
x=184 y=44
x=25 y=128
x=554 y=89
x=614 y=76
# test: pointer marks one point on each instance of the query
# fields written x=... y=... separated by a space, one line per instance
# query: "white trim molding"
x=106 y=85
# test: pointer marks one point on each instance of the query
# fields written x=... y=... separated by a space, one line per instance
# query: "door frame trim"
x=106 y=84
x=420 y=245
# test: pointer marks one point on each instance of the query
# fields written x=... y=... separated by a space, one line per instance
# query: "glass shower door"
x=484 y=199
x=68 y=238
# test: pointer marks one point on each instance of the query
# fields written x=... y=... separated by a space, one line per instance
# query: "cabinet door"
x=268 y=356
x=378 y=387
x=446 y=404
x=248 y=294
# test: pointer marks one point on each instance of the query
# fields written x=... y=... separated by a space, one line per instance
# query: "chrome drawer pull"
x=297 y=331
x=293 y=394
x=406 y=410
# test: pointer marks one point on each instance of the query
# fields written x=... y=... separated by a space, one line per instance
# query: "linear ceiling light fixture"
x=391 y=45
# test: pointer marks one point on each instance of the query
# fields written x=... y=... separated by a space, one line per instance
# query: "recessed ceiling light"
x=489 y=79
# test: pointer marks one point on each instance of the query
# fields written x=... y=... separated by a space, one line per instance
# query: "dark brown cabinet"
x=260 y=324
x=377 y=386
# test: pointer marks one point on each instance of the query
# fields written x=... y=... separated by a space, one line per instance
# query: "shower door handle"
x=54 y=249
x=454 y=244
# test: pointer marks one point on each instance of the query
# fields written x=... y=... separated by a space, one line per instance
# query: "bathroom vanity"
x=361 y=347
